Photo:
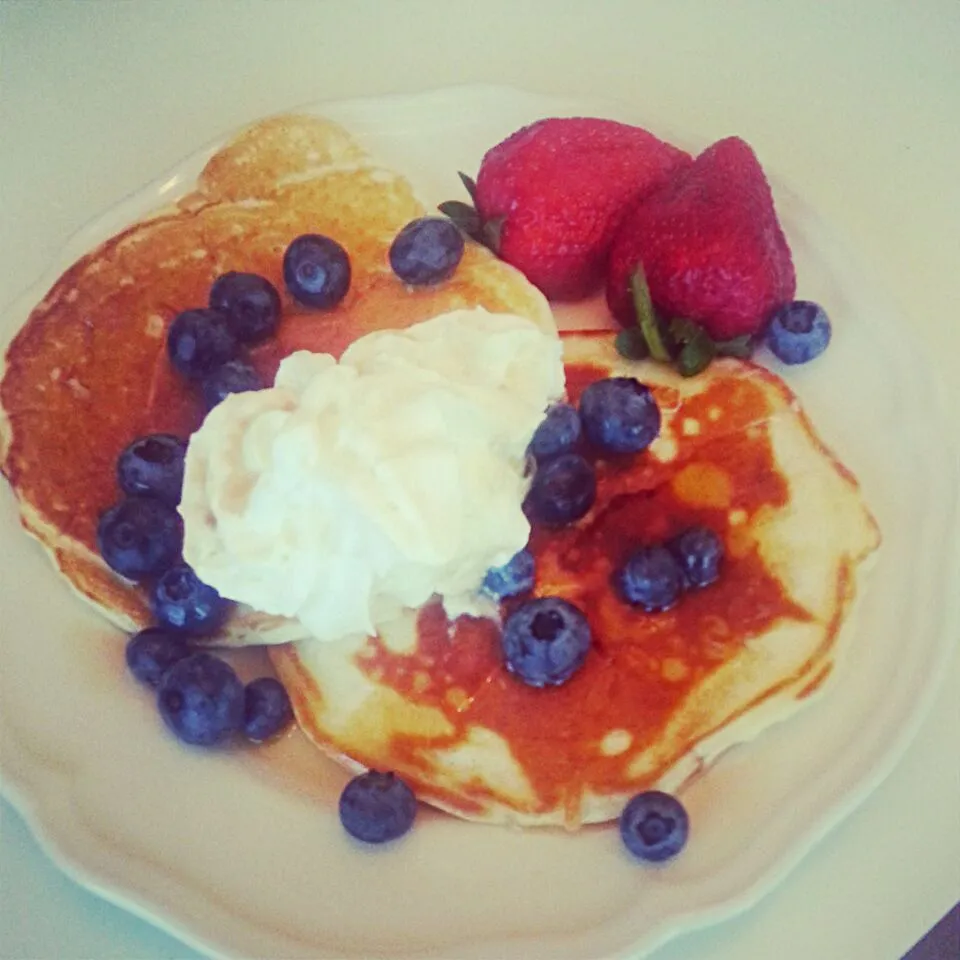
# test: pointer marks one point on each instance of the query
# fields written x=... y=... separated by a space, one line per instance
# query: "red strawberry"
x=710 y=244
x=559 y=188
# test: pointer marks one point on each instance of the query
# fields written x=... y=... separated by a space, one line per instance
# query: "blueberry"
x=250 y=302
x=152 y=652
x=619 y=415
x=201 y=700
x=563 y=490
x=545 y=641
x=152 y=466
x=798 y=331
x=376 y=807
x=513 y=578
x=558 y=433
x=699 y=551
x=235 y=376
x=426 y=251
x=266 y=709
x=654 y=826
x=651 y=579
x=140 y=537
x=316 y=271
x=199 y=341
x=182 y=601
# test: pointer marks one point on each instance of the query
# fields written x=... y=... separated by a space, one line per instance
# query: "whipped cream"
x=349 y=491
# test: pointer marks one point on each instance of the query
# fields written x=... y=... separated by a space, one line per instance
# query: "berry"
x=654 y=826
x=513 y=578
x=139 y=537
x=316 y=271
x=619 y=415
x=201 y=700
x=563 y=490
x=181 y=601
x=798 y=331
x=699 y=551
x=199 y=341
x=558 y=433
x=250 y=303
x=651 y=579
x=426 y=251
x=152 y=652
x=152 y=466
x=377 y=807
x=545 y=641
x=710 y=244
x=558 y=189
x=266 y=709
x=235 y=376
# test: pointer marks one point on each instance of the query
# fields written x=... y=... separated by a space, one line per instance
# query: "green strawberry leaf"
x=695 y=356
x=490 y=233
x=470 y=184
x=741 y=347
x=630 y=343
x=464 y=216
x=646 y=317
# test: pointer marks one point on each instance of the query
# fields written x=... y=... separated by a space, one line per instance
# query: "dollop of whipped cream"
x=349 y=491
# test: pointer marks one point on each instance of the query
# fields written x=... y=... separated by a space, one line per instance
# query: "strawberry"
x=710 y=245
x=551 y=195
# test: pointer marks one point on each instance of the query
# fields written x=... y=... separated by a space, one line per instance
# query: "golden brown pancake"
x=88 y=373
x=660 y=695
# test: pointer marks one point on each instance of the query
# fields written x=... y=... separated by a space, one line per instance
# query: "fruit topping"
x=140 y=537
x=201 y=700
x=654 y=826
x=266 y=709
x=316 y=271
x=563 y=490
x=516 y=576
x=153 y=651
x=619 y=415
x=426 y=251
x=235 y=376
x=376 y=807
x=181 y=601
x=545 y=641
x=199 y=341
x=152 y=466
x=558 y=433
x=651 y=579
x=699 y=551
x=556 y=191
x=710 y=244
x=250 y=303
x=798 y=332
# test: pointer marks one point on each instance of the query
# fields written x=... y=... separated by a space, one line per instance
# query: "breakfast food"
x=526 y=601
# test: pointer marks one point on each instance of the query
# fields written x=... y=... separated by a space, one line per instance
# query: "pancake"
x=88 y=373
x=660 y=695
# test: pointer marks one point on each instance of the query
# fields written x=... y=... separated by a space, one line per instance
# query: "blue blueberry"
x=699 y=551
x=563 y=490
x=316 y=271
x=140 y=537
x=180 y=600
x=377 y=807
x=545 y=641
x=651 y=579
x=152 y=466
x=152 y=652
x=199 y=341
x=201 y=700
x=558 y=433
x=250 y=302
x=513 y=578
x=798 y=331
x=426 y=251
x=266 y=709
x=654 y=826
x=235 y=376
x=619 y=415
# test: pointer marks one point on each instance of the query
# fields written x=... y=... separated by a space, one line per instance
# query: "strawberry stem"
x=646 y=318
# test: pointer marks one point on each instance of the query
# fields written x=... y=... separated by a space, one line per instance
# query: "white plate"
x=242 y=854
